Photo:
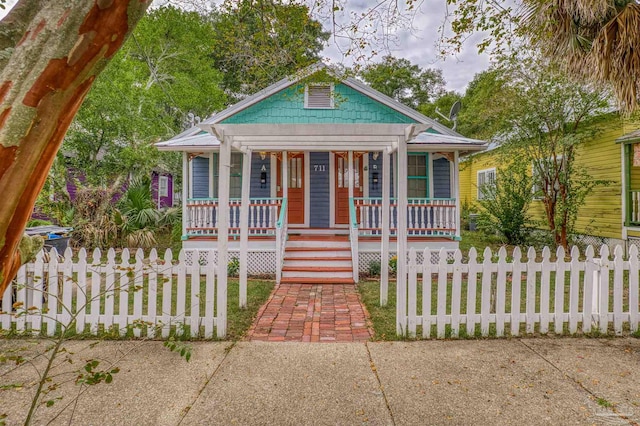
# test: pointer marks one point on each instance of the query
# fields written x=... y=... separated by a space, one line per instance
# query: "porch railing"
x=353 y=238
x=425 y=216
x=281 y=239
x=202 y=216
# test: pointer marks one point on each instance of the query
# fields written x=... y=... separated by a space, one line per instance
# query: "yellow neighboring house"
x=611 y=213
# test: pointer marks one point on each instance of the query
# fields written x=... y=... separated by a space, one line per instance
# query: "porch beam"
x=401 y=281
x=244 y=226
x=243 y=140
x=386 y=205
x=224 y=166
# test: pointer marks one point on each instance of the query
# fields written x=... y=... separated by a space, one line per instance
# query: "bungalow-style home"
x=316 y=177
x=610 y=214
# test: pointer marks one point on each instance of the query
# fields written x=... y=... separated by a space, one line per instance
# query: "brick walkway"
x=312 y=313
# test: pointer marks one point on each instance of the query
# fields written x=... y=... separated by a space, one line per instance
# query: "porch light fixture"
x=375 y=155
x=263 y=155
x=374 y=180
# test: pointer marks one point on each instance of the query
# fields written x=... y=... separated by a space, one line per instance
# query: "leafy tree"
x=52 y=53
x=256 y=43
x=485 y=105
x=163 y=74
x=546 y=123
x=405 y=82
x=591 y=41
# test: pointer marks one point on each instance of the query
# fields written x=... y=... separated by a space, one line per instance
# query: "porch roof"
x=322 y=137
x=632 y=137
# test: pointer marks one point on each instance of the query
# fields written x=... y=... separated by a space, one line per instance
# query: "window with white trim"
x=318 y=96
x=418 y=175
x=235 y=175
x=485 y=177
x=163 y=186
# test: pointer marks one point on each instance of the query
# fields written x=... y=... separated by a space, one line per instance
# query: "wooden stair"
x=317 y=259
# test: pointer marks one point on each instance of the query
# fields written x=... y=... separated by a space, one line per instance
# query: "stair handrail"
x=353 y=238
x=281 y=239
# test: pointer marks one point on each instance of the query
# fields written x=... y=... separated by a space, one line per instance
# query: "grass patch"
x=383 y=318
x=239 y=320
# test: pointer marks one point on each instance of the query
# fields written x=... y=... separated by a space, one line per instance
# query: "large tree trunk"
x=61 y=50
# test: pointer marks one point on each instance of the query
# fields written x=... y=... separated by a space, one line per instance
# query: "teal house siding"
x=287 y=107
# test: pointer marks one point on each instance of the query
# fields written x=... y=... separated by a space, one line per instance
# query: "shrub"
x=233 y=267
x=505 y=202
x=393 y=265
x=374 y=268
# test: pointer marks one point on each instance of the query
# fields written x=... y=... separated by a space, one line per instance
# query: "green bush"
x=504 y=204
x=374 y=268
x=233 y=267
x=393 y=265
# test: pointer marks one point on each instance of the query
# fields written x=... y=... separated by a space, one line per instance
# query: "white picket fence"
x=152 y=297
x=510 y=296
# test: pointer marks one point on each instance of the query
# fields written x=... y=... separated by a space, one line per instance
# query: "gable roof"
x=347 y=81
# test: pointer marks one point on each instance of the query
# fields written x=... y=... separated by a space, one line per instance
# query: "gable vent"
x=319 y=96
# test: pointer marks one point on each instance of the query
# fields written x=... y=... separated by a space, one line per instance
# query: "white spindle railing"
x=202 y=216
x=281 y=239
x=425 y=216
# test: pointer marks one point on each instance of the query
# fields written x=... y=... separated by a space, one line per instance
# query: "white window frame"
x=163 y=186
x=331 y=95
x=484 y=173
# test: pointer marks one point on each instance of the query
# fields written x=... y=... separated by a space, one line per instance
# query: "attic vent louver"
x=318 y=96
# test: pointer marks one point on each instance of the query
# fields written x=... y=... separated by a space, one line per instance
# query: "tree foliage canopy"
x=596 y=41
x=161 y=77
x=405 y=82
x=254 y=44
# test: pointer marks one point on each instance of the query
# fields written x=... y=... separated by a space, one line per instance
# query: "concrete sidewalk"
x=518 y=381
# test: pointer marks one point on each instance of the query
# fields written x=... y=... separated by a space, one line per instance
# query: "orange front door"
x=342 y=184
x=295 y=197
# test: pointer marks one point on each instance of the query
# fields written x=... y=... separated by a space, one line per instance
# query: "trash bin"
x=55 y=236
x=473 y=222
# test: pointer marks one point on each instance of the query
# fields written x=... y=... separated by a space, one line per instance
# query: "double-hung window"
x=485 y=177
x=418 y=175
x=235 y=178
x=163 y=186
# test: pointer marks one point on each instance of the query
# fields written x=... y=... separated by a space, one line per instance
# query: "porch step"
x=315 y=238
x=318 y=259
x=318 y=262
x=316 y=281
x=324 y=244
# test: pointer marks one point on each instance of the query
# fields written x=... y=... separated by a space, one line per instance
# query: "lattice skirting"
x=366 y=258
x=260 y=262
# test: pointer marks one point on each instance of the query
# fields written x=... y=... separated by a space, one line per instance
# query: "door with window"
x=341 y=161
x=296 y=183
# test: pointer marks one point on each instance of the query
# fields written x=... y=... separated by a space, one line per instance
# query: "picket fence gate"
x=484 y=297
x=152 y=297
